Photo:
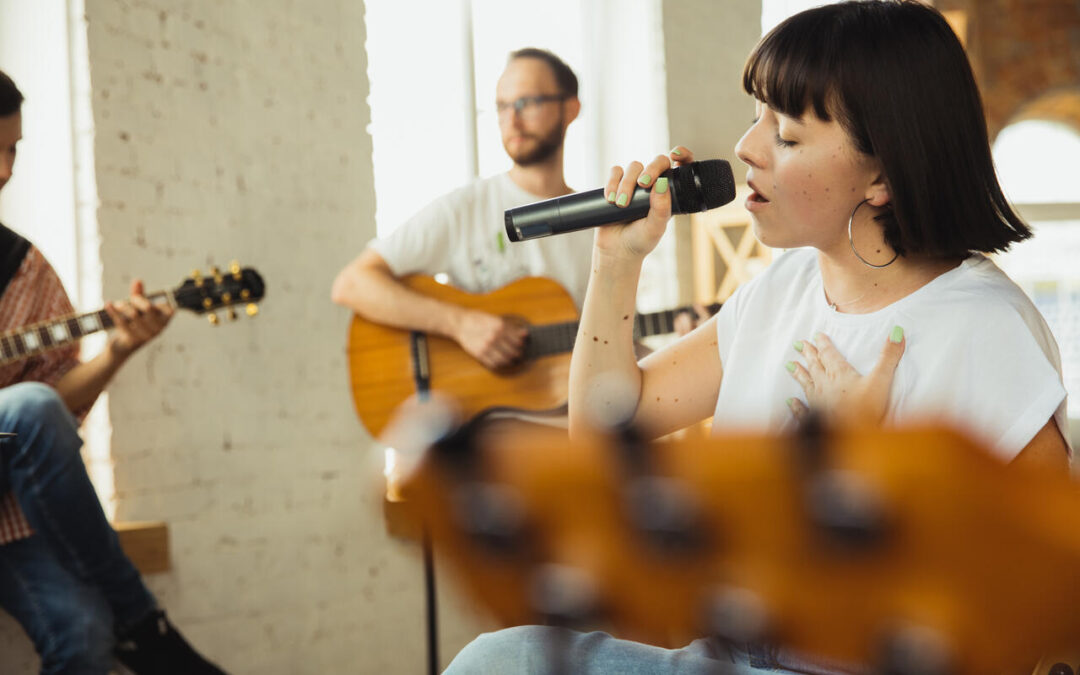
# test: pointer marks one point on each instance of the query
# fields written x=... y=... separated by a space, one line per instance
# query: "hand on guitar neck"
x=495 y=341
x=136 y=321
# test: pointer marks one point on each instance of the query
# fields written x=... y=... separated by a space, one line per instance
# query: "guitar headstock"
x=913 y=550
x=221 y=290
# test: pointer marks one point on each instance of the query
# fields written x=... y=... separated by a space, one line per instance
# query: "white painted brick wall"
x=238 y=130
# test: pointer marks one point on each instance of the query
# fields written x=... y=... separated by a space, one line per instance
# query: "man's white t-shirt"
x=463 y=235
x=978 y=354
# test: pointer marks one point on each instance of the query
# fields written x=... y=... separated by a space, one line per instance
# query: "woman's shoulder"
x=979 y=285
x=978 y=295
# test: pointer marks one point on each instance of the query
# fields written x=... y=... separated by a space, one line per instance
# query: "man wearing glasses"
x=462 y=233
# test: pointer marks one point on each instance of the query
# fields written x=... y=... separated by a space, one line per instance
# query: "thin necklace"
x=832 y=305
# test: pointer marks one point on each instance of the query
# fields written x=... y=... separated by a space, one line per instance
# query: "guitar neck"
x=558 y=338
x=41 y=337
x=663 y=322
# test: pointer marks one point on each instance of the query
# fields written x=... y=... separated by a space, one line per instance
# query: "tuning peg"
x=918 y=649
x=231 y=313
x=244 y=294
x=207 y=303
x=213 y=319
x=216 y=273
x=226 y=297
x=196 y=276
x=738 y=614
x=252 y=309
x=234 y=268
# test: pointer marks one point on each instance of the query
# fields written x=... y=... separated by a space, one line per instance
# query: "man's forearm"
x=376 y=295
x=81 y=385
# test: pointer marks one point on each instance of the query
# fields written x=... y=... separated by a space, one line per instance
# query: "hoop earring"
x=851 y=241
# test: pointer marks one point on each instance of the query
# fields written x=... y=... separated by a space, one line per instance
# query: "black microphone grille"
x=704 y=185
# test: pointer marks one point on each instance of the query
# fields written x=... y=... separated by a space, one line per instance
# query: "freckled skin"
x=812 y=186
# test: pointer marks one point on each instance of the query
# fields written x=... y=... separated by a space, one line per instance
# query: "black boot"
x=154 y=647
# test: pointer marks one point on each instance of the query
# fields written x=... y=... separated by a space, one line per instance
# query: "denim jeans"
x=70 y=585
x=543 y=650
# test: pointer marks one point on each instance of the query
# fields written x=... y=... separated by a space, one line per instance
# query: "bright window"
x=1038 y=163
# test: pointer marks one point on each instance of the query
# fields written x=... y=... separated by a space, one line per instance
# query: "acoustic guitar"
x=198 y=294
x=913 y=550
x=388 y=365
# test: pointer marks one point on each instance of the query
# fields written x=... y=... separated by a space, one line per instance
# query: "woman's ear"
x=878 y=193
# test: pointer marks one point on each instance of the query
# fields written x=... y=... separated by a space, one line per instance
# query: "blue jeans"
x=543 y=650
x=70 y=585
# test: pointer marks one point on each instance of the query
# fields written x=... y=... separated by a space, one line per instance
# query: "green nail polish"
x=611 y=196
x=798 y=346
x=644 y=179
x=677 y=152
x=788 y=402
x=661 y=185
x=897 y=335
x=790 y=365
x=500 y=242
x=622 y=200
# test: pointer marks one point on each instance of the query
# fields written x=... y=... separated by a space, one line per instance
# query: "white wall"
x=238 y=130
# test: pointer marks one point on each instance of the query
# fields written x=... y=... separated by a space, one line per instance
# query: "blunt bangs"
x=793 y=68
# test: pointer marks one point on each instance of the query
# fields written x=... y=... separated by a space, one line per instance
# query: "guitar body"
x=381 y=362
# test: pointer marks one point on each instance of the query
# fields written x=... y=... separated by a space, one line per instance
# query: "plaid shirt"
x=34 y=294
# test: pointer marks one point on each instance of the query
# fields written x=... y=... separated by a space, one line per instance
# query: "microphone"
x=698 y=186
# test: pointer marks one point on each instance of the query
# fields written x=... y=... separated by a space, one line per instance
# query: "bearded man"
x=462 y=233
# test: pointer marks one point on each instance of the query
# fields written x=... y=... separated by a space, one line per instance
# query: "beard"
x=541 y=150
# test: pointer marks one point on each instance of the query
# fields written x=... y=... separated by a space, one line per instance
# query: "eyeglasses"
x=527 y=106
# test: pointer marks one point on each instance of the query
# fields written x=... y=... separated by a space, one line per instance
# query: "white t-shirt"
x=978 y=355
x=463 y=234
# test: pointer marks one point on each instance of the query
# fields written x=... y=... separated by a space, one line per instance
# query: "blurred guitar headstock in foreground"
x=912 y=550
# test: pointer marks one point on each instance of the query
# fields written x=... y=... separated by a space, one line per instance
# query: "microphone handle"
x=577 y=211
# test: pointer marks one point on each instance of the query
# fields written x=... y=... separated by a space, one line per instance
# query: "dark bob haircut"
x=564 y=77
x=896 y=78
x=11 y=98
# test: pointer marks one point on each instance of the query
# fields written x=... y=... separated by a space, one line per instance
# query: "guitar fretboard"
x=41 y=337
x=558 y=338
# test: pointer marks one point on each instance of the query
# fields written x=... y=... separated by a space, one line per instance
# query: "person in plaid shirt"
x=63 y=575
